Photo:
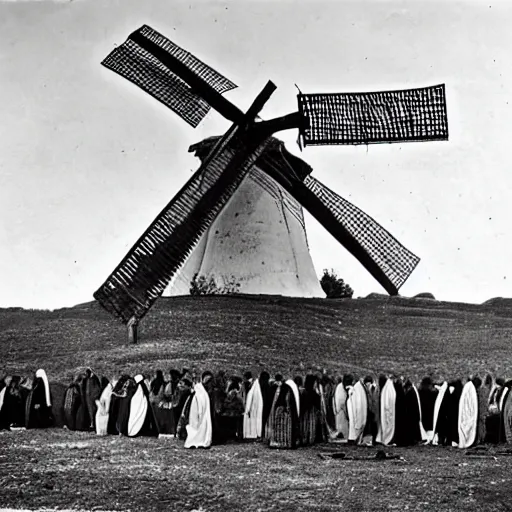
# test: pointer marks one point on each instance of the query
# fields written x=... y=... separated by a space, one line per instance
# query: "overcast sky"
x=87 y=160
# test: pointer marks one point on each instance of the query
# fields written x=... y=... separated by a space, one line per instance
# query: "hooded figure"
x=387 y=413
x=468 y=415
x=92 y=394
x=38 y=411
x=253 y=416
x=102 y=411
x=340 y=411
x=309 y=419
x=199 y=428
x=433 y=436
x=284 y=419
x=141 y=421
x=357 y=407
x=119 y=413
x=12 y=410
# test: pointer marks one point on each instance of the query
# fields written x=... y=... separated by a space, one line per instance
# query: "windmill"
x=189 y=87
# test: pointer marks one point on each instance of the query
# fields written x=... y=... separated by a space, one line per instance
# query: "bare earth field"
x=412 y=337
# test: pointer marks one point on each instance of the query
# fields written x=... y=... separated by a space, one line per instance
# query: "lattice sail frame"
x=408 y=115
x=143 y=69
x=394 y=260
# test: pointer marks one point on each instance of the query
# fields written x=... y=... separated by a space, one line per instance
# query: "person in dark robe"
x=58 y=394
x=119 y=411
x=274 y=387
x=183 y=408
x=72 y=401
x=125 y=397
x=156 y=397
x=483 y=391
x=38 y=410
x=93 y=391
x=373 y=414
x=443 y=425
x=412 y=431
x=12 y=414
x=328 y=389
x=428 y=395
x=267 y=395
x=453 y=393
x=284 y=419
x=215 y=387
x=493 y=420
x=82 y=421
x=400 y=436
x=158 y=383
x=233 y=411
x=309 y=419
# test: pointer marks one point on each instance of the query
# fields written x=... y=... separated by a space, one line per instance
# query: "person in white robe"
x=468 y=415
x=340 y=410
x=199 y=428
x=102 y=412
x=253 y=416
x=387 y=413
x=357 y=407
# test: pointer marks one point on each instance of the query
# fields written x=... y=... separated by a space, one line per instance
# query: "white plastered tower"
x=258 y=241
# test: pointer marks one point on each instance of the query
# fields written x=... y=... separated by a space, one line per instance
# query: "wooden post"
x=132 y=330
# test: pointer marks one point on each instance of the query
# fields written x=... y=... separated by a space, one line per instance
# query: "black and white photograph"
x=255 y=255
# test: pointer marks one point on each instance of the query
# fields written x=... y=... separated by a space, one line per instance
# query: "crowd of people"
x=281 y=412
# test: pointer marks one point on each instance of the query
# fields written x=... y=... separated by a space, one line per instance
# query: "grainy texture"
x=58 y=468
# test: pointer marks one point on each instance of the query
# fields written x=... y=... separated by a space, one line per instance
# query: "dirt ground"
x=73 y=470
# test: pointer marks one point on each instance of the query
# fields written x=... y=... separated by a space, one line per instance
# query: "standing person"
x=233 y=411
x=38 y=412
x=412 y=431
x=357 y=407
x=200 y=428
x=387 y=411
x=428 y=395
x=373 y=398
x=283 y=421
x=310 y=412
x=468 y=415
x=253 y=414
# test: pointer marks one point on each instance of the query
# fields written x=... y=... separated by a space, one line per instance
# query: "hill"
x=411 y=337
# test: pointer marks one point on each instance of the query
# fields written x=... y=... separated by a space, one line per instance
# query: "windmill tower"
x=224 y=197
x=258 y=242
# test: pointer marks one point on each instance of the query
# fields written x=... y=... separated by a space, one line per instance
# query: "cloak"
x=199 y=428
x=357 y=407
x=253 y=416
x=340 y=410
x=387 y=413
x=468 y=415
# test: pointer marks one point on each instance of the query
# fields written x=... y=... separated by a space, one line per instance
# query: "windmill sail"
x=130 y=291
x=377 y=117
x=138 y=64
x=380 y=252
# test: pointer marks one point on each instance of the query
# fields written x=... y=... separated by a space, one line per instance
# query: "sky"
x=88 y=160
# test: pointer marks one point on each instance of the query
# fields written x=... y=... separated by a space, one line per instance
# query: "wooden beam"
x=196 y=83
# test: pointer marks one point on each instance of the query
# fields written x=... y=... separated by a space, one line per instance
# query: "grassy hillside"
x=411 y=337
x=63 y=469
